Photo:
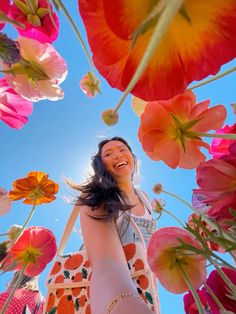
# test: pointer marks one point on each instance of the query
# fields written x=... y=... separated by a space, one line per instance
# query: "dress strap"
x=144 y=200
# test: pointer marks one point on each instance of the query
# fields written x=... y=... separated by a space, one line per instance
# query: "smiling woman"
x=116 y=224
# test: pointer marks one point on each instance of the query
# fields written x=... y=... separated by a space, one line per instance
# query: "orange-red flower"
x=35 y=248
x=201 y=37
x=169 y=129
x=36 y=189
x=166 y=260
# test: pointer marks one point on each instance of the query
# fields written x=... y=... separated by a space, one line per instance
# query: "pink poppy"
x=90 y=85
x=166 y=260
x=14 y=109
x=39 y=76
x=5 y=202
x=219 y=146
x=37 y=21
x=221 y=290
x=217 y=181
x=36 y=247
x=4 y=7
x=190 y=306
x=168 y=130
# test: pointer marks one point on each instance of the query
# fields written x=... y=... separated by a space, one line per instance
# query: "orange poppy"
x=201 y=37
x=169 y=129
x=36 y=189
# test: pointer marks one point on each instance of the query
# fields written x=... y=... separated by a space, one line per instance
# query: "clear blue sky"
x=61 y=136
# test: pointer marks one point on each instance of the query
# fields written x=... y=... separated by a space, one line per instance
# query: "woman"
x=27 y=297
x=107 y=203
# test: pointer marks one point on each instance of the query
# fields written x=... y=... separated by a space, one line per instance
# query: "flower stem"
x=191 y=288
x=230 y=136
x=214 y=78
x=24 y=225
x=209 y=221
x=162 y=25
x=4 y=234
x=5 y=19
x=173 y=216
x=224 y=277
x=214 y=297
x=74 y=27
x=13 y=289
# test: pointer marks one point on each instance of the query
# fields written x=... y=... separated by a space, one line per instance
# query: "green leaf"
x=149 y=297
x=85 y=273
x=53 y=310
x=66 y=274
x=77 y=304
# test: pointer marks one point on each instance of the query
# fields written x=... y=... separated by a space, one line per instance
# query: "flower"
x=192 y=222
x=119 y=32
x=9 y=50
x=39 y=73
x=39 y=21
x=233 y=107
x=168 y=130
x=138 y=105
x=5 y=202
x=167 y=261
x=4 y=7
x=36 y=247
x=90 y=85
x=221 y=290
x=219 y=146
x=36 y=189
x=157 y=188
x=110 y=117
x=216 y=179
x=14 y=109
x=190 y=306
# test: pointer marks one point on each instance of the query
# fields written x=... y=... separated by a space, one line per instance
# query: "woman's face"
x=117 y=159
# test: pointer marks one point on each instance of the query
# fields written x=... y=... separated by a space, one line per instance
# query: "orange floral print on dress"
x=73 y=262
x=129 y=251
x=65 y=305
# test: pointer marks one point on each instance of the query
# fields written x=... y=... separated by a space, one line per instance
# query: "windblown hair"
x=30 y=283
x=102 y=189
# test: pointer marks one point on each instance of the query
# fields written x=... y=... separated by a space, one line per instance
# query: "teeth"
x=121 y=164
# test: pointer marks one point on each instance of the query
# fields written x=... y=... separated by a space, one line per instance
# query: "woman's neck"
x=126 y=186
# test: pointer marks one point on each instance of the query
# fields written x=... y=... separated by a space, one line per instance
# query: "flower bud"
x=157 y=205
x=90 y=85
x=13 y=231
x=110 y=117
x=157 y=188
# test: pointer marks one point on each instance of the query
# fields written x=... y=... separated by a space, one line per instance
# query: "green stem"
x=5 y=19
x=214 y=297
x=214 y=78
x=162 y=25
x=191 y=288
x=209 y=221
x=173 y=216
x=24 y=225
x=74 y=27
x=4 y=234
x=13 y=289
x=230 y=136
x=224 y=277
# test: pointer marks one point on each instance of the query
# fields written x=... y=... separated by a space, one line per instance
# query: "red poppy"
x=201 y=37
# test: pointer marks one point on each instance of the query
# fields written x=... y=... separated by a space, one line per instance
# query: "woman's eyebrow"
x=109 y=149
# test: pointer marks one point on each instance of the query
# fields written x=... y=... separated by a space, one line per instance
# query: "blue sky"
x=61 y=136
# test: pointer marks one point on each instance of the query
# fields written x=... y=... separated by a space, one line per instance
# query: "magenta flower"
x=14 y=109
x=217 y=181
x=4 y=7
x=35 y=248
x=167 y=261
x=38 y=75
x=190 y=306
x=221 y=290
x=5 y=202
x=36 y=19
x=219 y=146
